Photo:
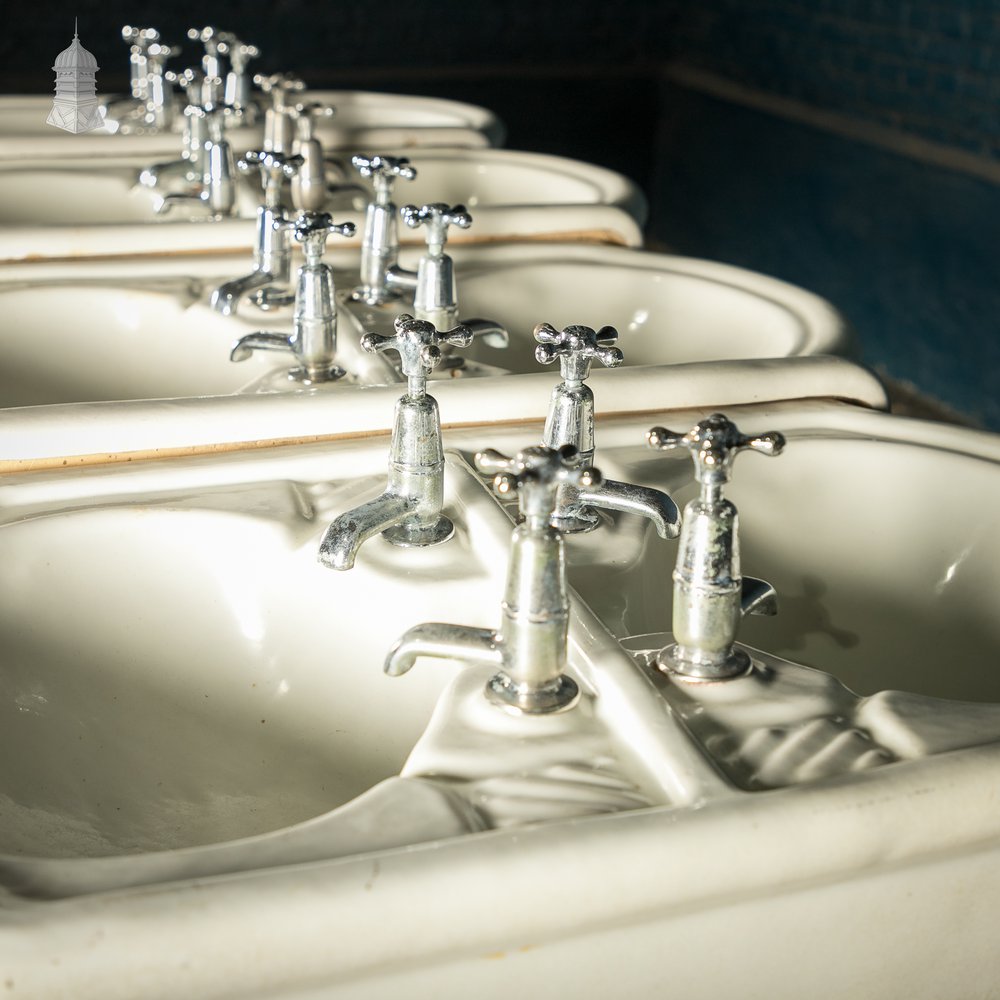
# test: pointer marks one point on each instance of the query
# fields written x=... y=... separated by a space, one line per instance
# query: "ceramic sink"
x=58 y=334
x=362 y=118
x=57 y=210
x=465 y=848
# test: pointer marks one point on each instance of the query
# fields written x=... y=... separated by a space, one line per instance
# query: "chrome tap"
x=309 y=191
x=272 y=254
x=279 y=129
x=313 y=341
x=571 y=421
x=238 y=92
x=409 y=511
x=435 y=295
x=529 y=648
x=710 y=596
x=149 y=107
x=217 y=187
x=193 y=163
x=380 y=243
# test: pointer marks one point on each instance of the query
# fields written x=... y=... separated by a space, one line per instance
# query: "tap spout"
x=492 y=334
x=259 y=341
x=350 y=531
x=757 y=597
x=398 y=278
x=227 y=296
x=610 y=494
x=445 y=642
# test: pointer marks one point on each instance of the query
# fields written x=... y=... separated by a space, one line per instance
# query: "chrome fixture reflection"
x=570 y=421
x=409 y=511
x=279 y=127
x=150 y=104
x=710 y=595
x=435 y=295
x=309 y=184
x=272 y=254
x=529 y=648
x=380 y=243
x=216 y=186
x=313 y=341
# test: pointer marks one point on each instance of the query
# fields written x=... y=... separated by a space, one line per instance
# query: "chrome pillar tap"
x=380 y=243
x=710 y=595
x=279 y=129
x=238 y=92
x=149 y=107
x=529 y=648
x=571 y=421
x=272 y=254
x=435 y=295
x=309 y=192
x=193 y=164
x=313 y=341
x=217 y=187
x=409 y=511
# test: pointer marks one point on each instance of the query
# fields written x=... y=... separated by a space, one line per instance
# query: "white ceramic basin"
x=82 y=210
x=362 y=118
x=57 y=337
x=866 y=871
x=66 y=343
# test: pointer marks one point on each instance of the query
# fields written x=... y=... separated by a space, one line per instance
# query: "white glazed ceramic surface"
x=117 y=332
x=362 y=118
x=174 y=580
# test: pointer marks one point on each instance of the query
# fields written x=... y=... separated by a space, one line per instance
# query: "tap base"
x=558 y=695
x=676 y=660
x=316 y=377
x=374 y=296
x=413 y=535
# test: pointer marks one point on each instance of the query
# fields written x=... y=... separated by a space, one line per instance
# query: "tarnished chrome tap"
x=409 y=511
x=313 y=341
x=571 y=421
x=217 y=187
x=272 y=254
x=710 y=595
x=380 y=242
x=309 y=191
x=279 y=128
x=529 y=648
x=435 y=295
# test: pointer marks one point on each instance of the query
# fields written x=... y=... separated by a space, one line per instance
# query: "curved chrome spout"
x=444 y=642
x=491 y=333
x=350 y=531
x=655 y=505
x=227 y=296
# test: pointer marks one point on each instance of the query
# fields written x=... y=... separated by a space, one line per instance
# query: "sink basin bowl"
x=363 y=118
x=174 y=579
x=83 y=210
x=834 y=523
x=58 y=334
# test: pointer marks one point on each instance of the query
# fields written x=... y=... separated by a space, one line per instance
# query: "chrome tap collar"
x=710 y=595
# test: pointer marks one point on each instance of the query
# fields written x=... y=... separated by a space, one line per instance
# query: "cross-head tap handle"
x=311 y=229
x=383 y=170
x=278 y=86
x=274 y=169
x=139 y=37
x=239 y=52
x=576 y=347
x=714 y=443
x=535 y=474
x=437 y=217
x=417 y=341
x=306 y=113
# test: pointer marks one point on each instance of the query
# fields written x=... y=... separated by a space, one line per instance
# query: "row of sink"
x=211 y=786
